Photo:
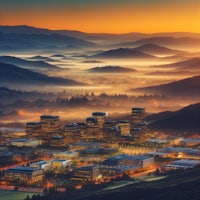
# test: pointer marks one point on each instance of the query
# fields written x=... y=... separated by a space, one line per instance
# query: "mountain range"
x=154 y=49
x=189 y=87
x=189 y=64
x=11 y=75
x=122 y=53
x=28 y=38
x=12 y=42
x=169 y=42
x=186 y=118
x=23 y=29
x=111 y=69
x=42 y=58
x=29 y=64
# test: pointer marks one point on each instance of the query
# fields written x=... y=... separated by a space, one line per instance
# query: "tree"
x=28 y=198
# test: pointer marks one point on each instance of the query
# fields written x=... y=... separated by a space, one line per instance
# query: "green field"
x=13 y=195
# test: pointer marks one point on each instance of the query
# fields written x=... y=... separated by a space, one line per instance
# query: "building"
x=111 y=130
x=115 y=171
x=107 y=126
x=57 y=141
x=88 y=173
x=137 y=115
x=25 y=142
x=101 y=118
x=124 y=127
x=159 y=154
x=92 y=128
x=181 y=164
x=50 y=125
x=24 y=174
x=33 y=129
x=72 y=131
x=141 y=161
x=42 y=165
x=60 y=163
x=184 y=153
x=82 y=126
x=66 y=155
x=85 y=145
x=190 y=142
x=6 y=156
x=137 y=133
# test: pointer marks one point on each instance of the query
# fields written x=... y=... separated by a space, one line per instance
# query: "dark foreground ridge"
x=183 y=185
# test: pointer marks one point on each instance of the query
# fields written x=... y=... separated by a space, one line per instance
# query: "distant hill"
x=11 y=75
x=170 y=42
x=189 y=64
x=157 y=50
x=184 y=119
x=123 y=53
x=170 y=73
x=23 y=29
x=11 y=42
x=111 y=69
x=42 y=58
x=181 y=88
x=192 y=64
x=27 y=64
x=91 y=61
x=58 y=56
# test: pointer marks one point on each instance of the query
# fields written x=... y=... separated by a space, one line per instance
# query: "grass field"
x=13 y=195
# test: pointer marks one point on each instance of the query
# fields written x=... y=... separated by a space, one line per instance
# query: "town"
x=49 y=155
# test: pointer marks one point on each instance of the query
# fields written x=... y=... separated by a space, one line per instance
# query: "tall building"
x=82 y=126
x=110 y=129
x=137 y=116
x=71 y=132
x=33 y=129
x=57 y=141
x=124 y=127
x=50 y=125
x=101 y=117
x=92 y=127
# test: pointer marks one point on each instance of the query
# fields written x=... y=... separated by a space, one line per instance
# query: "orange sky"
x=112 y=18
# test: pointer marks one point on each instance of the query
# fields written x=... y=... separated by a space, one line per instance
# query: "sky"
x=108 y=16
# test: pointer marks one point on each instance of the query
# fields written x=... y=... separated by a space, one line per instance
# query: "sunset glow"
x=111 y=16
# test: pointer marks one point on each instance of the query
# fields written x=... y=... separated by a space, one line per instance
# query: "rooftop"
x=99 y=114
x=124 y=121
x=23 y=140
x=22 y=168
x=49 y=117
x=138 y=109
x=66 y=153
x=40 y=163
x=86 y=168
x=33 y=123
x=57 y=137
x=71 y=125
x=128 y=157
x=186 y=162
x=87 y=144
x=61 y=161
x=178 y=149
x=160 y=141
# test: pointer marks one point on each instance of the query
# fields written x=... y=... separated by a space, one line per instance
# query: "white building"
x=25 y=142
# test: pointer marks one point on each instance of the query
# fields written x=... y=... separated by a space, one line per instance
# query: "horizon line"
x=122 y=33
